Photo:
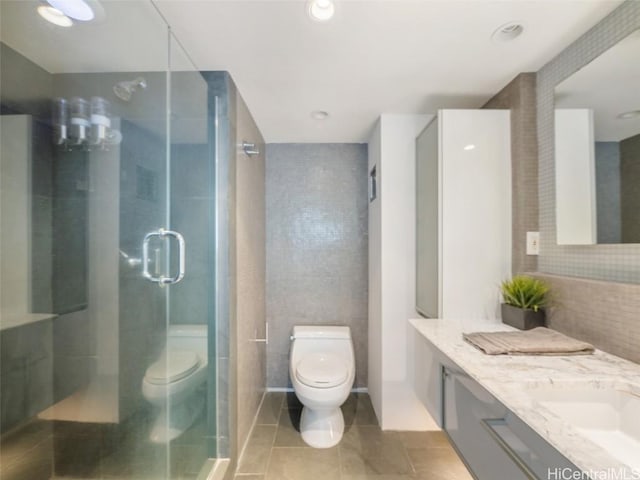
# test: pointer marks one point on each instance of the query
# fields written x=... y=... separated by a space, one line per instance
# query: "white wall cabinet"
x=463 y=213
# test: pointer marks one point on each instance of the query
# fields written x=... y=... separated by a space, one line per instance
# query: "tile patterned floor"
x=276 y=451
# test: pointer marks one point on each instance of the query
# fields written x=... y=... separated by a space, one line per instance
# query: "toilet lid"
x=172 y=367
x=321 y=370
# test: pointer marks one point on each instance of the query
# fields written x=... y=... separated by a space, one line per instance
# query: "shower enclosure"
x=108 y=243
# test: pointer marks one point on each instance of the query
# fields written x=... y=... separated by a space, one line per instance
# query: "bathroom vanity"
x=527 y=417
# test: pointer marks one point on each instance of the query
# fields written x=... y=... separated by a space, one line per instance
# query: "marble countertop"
x=511 y=378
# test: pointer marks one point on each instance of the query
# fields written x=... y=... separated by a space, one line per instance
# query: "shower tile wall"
x=317 y=247
x=69 y=227
x=141 y=320
x=191 y=209
x=74 y=349
x=520 y=97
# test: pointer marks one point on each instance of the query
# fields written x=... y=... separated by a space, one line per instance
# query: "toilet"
x=322 y=370
x=175 y=382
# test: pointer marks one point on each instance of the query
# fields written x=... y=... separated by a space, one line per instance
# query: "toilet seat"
x=321 y=370
x=172 y=367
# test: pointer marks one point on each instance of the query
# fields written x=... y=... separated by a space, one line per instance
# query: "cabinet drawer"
x=466 y=407
x=495 y=443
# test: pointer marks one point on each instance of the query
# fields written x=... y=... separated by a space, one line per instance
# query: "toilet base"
x=322 y=428
x=173 y=422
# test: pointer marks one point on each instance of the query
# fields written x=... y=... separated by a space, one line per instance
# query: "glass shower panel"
x=86 y=176
x=191 y=212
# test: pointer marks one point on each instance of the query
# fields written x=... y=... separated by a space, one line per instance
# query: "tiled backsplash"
x=602 y=313
x=317 y=244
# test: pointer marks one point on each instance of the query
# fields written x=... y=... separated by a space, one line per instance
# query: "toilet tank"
x=321 y=332
x=187 y=337
x=309 y=339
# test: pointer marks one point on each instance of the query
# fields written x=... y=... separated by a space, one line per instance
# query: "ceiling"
x=373 y=57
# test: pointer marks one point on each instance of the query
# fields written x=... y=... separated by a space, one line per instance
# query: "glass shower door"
x=101 y=142
x=190 y=306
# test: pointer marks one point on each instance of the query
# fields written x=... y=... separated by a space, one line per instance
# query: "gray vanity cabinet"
x=468 y=411
x=494 y=443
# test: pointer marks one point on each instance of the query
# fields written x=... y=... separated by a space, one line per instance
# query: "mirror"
x=597 y=133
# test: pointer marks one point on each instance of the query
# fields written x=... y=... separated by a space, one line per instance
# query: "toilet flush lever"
x=162 y=279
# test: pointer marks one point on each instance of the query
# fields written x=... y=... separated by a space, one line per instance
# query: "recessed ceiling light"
x=54 y=16
x=507 y=32
x=629 y=115
x=321 y=10
x=319 y=115
x=76 y=9
x=471 y=146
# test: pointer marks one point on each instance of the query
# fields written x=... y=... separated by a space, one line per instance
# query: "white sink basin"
x=609 y=416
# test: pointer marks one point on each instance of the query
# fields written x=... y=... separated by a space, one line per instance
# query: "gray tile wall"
x=594 y=307
x=250 y=272
x=317 y=247
x=69 y=228
x=519 y=96
x=74 y=348
x=42 y=220
x=607 y=160
x=630 y=189
x=604 y=262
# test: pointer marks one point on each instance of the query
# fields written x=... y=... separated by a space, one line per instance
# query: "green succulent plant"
x=525 y=292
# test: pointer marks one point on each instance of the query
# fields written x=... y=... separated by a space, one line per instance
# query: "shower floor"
x=46 y=449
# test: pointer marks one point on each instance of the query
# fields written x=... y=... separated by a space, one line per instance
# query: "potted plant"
x=524 y=298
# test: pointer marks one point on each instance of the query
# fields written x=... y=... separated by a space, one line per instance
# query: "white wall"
x=392 y=272
x=374 y=364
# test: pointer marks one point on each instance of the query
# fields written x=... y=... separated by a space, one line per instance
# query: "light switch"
x=533 y=243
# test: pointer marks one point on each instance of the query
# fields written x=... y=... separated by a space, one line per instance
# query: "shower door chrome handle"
x=181 y=258
x=162 y=279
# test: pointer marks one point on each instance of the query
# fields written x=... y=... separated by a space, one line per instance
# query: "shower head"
x=125 y=89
